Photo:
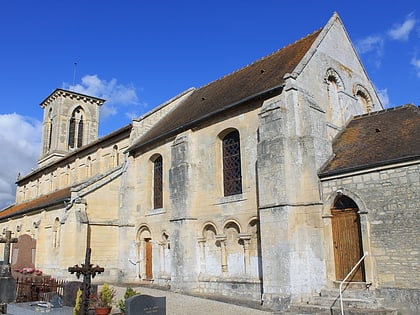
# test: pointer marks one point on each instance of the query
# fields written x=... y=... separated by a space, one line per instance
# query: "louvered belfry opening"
x=232 y=176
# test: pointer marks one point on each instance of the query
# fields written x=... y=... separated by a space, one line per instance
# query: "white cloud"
x=383 y=96
x=20 y=140
x=402 y=31
x=371 y=43
x=114 y=93
x=416 y=63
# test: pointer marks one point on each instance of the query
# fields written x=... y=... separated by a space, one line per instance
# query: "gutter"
x=369 y=167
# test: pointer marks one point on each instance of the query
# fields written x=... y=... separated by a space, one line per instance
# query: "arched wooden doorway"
x=145 y=252
x=347 y=239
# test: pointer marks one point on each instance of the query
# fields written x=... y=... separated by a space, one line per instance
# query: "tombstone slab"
x=145 y=304
x=32 y=308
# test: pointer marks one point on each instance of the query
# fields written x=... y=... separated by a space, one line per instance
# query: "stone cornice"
x=64 y=93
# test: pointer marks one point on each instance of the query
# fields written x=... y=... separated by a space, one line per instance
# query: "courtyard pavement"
x=180 y=304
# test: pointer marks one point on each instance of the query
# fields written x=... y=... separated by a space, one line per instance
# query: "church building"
x=268 y=185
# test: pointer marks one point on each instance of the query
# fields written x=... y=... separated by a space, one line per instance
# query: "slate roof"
x=52 y=199
x=375 y=139
x=261 y=76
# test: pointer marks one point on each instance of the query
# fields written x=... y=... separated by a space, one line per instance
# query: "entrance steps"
x=356 y=301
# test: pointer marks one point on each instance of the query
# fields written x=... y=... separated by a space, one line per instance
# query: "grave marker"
x=145 y=304
x=88 y=271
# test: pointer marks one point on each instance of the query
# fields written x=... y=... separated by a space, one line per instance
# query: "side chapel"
x=266 y=185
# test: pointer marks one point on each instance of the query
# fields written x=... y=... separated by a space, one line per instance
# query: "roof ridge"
x=258 y=60
x=400 y=107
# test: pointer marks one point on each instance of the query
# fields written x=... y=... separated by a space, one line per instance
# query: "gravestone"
x=23 y=252
x=145 y=304
x=70 y=292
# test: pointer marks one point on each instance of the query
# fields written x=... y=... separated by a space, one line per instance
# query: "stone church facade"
x=266 y=185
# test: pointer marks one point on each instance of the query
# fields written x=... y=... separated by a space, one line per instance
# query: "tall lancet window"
x=76 y=129
x=158 y=183
x=50 y=128
x=232 y=175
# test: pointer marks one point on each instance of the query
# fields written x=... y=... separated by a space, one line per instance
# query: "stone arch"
x=363 y=97
x=330 y=232
x=234 y=248
x=144 y=252
x=252 y=248
x=332 y=76
x=164 y=254
x=329 y=201
x=334 y=110
x=210 y=249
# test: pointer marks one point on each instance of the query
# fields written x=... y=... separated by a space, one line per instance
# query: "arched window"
x=363 y=97
x=158 y=182
x=334 y=86
x=56 y=233
x=50 y=128
x=76 y=128
x=232 y=176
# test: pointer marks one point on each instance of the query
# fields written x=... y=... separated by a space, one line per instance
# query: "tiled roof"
x=42 y=202
x=376 y=139
x=262 y=75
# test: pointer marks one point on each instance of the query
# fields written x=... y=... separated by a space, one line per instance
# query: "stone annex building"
x=266 y=185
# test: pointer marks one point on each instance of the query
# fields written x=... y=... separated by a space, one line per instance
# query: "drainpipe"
x=117 y=174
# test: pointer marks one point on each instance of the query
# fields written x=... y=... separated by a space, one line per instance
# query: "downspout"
x=123 y=168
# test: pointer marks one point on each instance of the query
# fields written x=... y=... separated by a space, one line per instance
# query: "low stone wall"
x=231 y=288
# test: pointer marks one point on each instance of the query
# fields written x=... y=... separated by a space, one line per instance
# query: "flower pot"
x=103 y=310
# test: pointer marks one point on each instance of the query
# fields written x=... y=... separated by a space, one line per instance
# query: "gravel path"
x=180 y=304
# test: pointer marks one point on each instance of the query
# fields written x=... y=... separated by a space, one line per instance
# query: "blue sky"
x=138 y=54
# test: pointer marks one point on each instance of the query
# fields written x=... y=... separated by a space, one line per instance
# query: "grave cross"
x=7 y=241
x=88 y=271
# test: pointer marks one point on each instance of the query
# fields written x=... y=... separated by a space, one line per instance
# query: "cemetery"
x=31 y=293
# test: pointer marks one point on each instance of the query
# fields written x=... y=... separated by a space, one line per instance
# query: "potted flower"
x=104 y=301
x=129 y=292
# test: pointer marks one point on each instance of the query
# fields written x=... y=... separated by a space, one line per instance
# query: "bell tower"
x=70 y=121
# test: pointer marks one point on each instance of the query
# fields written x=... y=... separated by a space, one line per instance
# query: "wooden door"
x=347 y=243
x=149 y=269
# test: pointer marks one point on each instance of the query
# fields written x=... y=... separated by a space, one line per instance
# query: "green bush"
x=129 y=292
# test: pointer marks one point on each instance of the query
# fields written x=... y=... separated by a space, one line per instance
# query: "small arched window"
x=158 y=182
x=50 y=128
x=363 y=97
x=232 y=176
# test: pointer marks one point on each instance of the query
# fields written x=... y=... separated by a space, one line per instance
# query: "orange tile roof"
x=233 y=89
x=42 y=202
x=375 y=139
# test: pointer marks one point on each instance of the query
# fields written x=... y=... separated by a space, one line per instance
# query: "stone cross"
x=88 y=271
x=7 y=241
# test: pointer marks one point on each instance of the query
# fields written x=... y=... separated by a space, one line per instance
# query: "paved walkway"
x=180 y=304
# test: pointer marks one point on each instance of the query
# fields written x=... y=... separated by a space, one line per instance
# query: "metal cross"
x=88 y=271
x=7 y=241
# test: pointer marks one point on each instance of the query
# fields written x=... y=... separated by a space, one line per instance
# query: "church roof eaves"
x=42 y=202
x=376 y=139
x=265 y=74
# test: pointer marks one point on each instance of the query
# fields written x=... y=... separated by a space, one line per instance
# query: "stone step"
x=336 y=310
